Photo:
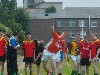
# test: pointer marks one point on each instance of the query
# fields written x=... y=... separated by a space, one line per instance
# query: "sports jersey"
x=28 y=47
x=95 y=44
x=56 y=44
x=2 y=46
x=74 y=48
x=85 y=48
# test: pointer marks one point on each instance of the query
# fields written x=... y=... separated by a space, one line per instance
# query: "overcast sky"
x=72 y=3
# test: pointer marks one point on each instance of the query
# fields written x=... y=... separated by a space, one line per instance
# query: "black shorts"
x=85 y=62
x=38 y=61
x=28 y=60
x=3 y=58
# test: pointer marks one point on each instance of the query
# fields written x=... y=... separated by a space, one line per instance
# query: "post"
x=89 y=27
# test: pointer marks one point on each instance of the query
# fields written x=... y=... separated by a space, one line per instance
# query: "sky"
x=72 y=3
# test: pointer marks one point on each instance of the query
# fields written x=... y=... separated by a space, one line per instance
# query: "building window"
x=30 y=3
x=82 y=34
x=71 y=23
x=60 y=23
x=72 y=34
x=82 y=23
x=93 y=23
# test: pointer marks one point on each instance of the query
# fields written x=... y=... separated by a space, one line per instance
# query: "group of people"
x=83 y=53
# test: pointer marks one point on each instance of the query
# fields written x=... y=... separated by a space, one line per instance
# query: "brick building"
x=72 y=19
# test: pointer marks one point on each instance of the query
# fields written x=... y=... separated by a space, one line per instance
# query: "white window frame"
x=71 y=23
x=94 y=22
x=60 y=23
x=71 y=34
x=82 y=22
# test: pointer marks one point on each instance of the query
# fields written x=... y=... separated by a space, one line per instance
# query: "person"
x=54 y=45
x=28 y=46
x=95 y=50
x=38 y=54
x=12 y=67
x=75 y=55
x=2 y=52
x=85 y=54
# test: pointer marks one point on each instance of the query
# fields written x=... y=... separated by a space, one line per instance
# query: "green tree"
x=50 y=9
x=22 y=18
x=4 y=28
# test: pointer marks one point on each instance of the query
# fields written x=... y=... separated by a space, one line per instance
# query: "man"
x=95 y=50
x=2 y=52
x=51 y=49
x=12 y=55
x=38 y=54
x=28 y=47
x=75 y=55
x=85 y=51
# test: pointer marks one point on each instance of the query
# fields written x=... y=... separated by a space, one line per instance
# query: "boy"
x=75 y=55
x=12 y=55
x=38 y=54
x=95 y=50
x=2 y=52
x=51 y=49
x=28 y=47
x=85 y=54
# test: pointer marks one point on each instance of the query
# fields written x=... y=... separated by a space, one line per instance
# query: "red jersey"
x=28 y=47
x=85 y=48
x=56 y=44
x=2 y=46
x=94 y=45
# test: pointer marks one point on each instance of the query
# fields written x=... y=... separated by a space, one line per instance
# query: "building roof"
x=53 y=2
x=81 y=12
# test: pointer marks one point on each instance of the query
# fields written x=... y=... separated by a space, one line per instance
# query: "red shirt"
x=85 y=48
x=28 y=47
x=94 y=45
x=56 y=44
x=2 y=46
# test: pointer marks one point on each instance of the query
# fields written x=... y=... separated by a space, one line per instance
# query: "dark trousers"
x=12 y=61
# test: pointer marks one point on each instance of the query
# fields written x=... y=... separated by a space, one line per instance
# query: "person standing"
x=95 y=50
x=85 y=55
x=28 y=47
x=38 y=54
x=2 y=52
x=12 y=55
x=75 y=55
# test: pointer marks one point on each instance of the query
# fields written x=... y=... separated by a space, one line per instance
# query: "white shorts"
x=58 y=56
x=48 y=55
x=75 y=58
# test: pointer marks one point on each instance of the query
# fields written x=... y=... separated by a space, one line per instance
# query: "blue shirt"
x=13 y=42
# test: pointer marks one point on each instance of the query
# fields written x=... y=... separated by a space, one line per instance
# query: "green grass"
x=66 y=70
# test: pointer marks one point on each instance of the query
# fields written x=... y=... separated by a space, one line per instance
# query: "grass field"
x=66 y=70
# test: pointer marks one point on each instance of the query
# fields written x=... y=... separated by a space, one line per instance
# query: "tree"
x=50 y=9
x=4 y=28
x=22 y=18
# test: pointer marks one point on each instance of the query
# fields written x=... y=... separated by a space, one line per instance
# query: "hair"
x=8 y=35
x=15 y=33
x=41 y=43
x=85 y=37
x=27 y=33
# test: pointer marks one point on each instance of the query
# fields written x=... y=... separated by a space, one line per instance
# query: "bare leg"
x=31 y=68
x=87 y=70
x=38 y=69
x=2 y=68
x=53 y=62
x=26 y=65
x=45 y=67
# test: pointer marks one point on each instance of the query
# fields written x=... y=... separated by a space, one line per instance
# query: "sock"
x=95 y=74
x=74 y=72
x=60 y=74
